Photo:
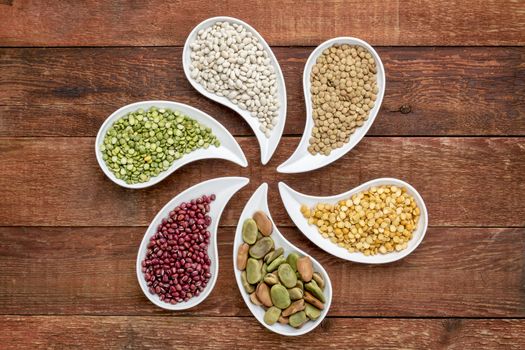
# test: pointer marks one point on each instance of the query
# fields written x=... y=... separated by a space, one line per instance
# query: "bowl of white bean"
x=229 y=62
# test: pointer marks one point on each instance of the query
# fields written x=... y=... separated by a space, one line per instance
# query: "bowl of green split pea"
x=142 y=143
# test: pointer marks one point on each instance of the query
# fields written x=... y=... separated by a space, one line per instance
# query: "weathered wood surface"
x=464 y=181
x=460 y=272
x=126 y=332
x=451 y=124
x=157 y=22
x=430 y=91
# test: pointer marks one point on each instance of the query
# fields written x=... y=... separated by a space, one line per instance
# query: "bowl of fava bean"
x=287 y=290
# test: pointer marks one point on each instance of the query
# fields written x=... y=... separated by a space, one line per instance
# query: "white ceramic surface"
x=259 y=201
x=228 y=150
x=223 y=188
x=267 y=145
x=292 y=202
x=301 y=160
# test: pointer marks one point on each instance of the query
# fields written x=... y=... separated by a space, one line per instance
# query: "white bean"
x=229 y=60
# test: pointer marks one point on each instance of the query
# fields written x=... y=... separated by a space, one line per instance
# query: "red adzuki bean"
x=177 y=265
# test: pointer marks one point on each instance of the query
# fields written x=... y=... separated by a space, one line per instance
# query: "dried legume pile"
x=142 y=144
x=285 y=286
x=228 y=60
x=344 y=90
x=380 y=219
x=177 y=265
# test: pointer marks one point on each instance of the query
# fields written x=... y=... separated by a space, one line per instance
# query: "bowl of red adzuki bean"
x=177 y=262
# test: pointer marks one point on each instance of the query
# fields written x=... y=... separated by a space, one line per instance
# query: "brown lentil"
x=343 y=91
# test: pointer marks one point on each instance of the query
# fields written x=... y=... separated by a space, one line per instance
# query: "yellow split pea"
x=380 y=219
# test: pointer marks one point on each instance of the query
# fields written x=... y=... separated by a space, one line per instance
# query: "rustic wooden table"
x=452 y=124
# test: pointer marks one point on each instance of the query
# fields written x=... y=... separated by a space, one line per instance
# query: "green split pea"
x=142 y=144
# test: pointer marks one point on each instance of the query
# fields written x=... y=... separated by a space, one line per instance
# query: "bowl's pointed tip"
x=288 y=193
x=238 y=182
x=283 y=186
x=262 y=190
x=283 y=168
x=286 y=169
x=266 y=153
x=263 y=186
x=292 y=165
x=243 y=162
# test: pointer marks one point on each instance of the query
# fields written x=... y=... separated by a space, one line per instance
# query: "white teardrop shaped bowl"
x=223 y=188
x=259 y=201
x=228 y=150
x=301 y=160
x=292 y=202
x=267 y=145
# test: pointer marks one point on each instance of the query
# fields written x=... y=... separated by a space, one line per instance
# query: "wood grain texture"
x=443 y=91
x=460 y=272
x=464 y=181
x=452 y=124
x=236 y=332
x=156 y=22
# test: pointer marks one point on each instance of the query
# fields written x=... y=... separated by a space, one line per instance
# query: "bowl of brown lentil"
x=344 y=85
x=380 y=221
